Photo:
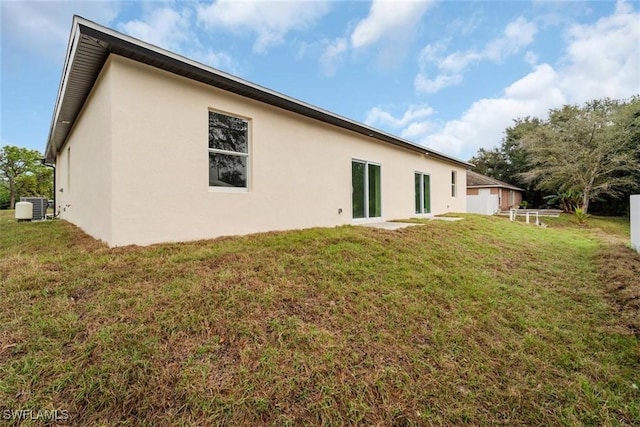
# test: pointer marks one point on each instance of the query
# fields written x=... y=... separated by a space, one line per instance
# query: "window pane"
x=417 y=190
x=227 y=170
x=453 y=184
x=375 y=205
x=426 y=188
x=227 y=133
x=357 y=189
x=227 y=122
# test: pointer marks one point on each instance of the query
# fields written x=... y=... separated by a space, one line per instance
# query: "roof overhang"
x=91 y=44
x=510 y=187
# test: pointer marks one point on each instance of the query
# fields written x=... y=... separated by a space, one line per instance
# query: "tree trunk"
x=585 y=201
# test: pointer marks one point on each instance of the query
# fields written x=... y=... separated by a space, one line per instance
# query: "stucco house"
x=150 y=146
x=487 y=196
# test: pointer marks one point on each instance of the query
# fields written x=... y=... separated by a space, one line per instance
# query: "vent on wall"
x=39 y=206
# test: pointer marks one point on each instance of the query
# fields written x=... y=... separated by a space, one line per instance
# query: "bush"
x=581 y=215
x=5 y=198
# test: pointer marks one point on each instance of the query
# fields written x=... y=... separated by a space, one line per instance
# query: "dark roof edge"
x=71 y=45
x=495 y=182
x=82 y=26
x=512 y=187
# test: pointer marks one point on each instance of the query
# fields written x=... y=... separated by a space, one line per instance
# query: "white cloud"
x=483 y=123
x=431 y=53
x=219 y=60
x=516 y=35
x=417 y=130
x=458 y=61
x=173 y=30
x=389 y=23
x=623 y=8
x=603 y=60
x=543 y=78
x=331 y=55
x=600 y=60
x=388 y=19
x=269 y=20
x=44 y=26
x=425 y=84
x=377 y=116
x=165 y=27
x=465 y=25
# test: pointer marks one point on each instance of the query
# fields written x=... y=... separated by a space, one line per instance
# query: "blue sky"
x=447 y=74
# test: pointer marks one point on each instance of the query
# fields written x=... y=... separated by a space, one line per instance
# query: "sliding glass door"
x=366 y=189
x=358 y=193
x=423 y=193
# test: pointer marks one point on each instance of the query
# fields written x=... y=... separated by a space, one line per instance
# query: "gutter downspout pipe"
x=44 y=162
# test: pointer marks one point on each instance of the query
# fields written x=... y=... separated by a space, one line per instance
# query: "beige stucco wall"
x=299 y=173
x=83 y=165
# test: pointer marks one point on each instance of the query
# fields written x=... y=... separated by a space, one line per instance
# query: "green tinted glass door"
x=366 y=189
x=423 y=193
x=358 y=188
x=426 y=191
x=418 y=189
x=375 y=204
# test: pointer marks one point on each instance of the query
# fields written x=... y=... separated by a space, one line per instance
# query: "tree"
x=16 y=163
x=5 y=198
x=37 y=183
x=492 y=163
x=565 y=200
x=584 y=149
x=510 y=160
x=627 y=119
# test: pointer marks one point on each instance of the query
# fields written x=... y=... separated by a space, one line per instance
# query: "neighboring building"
x=486 y=195
x=152 y=147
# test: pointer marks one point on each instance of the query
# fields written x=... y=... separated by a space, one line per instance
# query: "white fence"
x=483 y=203
x=635 y=222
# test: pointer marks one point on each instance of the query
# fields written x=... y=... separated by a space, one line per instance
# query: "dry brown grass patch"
x=619 y=271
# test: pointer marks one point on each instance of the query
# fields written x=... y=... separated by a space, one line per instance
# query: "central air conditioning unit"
x=40 y=205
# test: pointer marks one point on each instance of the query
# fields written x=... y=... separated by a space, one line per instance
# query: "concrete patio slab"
x=446 y=218
x=388 y=225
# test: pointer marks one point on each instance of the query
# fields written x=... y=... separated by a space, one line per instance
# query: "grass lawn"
x=477 y=322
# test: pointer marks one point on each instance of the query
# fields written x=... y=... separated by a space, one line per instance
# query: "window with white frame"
x=228 y=151
x=423 y=193
x=453 y=183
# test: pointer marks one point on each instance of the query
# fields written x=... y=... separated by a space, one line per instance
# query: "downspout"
x=44 y=162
